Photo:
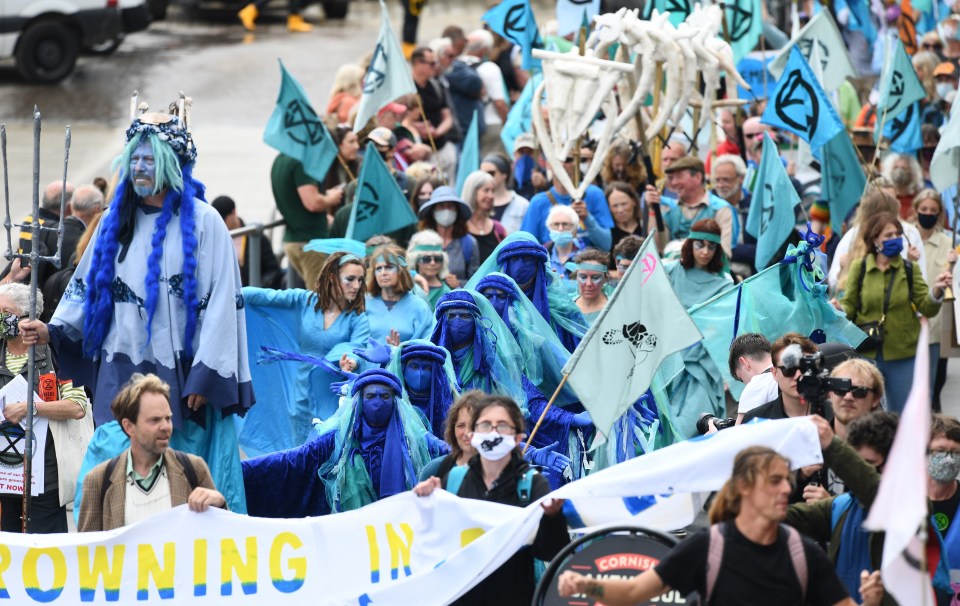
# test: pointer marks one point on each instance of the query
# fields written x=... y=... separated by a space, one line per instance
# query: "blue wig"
x=118 y=227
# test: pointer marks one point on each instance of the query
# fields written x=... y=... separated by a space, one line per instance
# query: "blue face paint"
x=498 y=298
x=418 y=374
x=378 y=404
x=143 y=170
x=461 y=326
x=523 y=269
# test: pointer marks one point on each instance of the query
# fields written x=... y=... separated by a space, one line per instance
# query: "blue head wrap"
x=443 y=387
x=117 y=228
x=375 y=376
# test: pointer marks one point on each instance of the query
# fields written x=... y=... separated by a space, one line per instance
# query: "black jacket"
x=513 y=583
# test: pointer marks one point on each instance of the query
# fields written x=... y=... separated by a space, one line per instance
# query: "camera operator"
x=756 y=565
x=750 y=363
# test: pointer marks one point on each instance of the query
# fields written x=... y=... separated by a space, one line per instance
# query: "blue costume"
x=370 y=449
x=294 y=394
x=699 y=388
x=158 y=292
x=522 y=258
x=411 y=316
x=595 y=229
x=429 y=382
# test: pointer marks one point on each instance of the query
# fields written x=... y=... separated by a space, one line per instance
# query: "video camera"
x=815 y=384
x=703 y=423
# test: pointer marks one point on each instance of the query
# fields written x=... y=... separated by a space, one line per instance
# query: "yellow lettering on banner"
x=149 y=568
x=470 y=535
x=31 y=579
x=4 y=565
x=298 y=565
x=200 y=567
x=102 y=567
x=399 y=551
x=374 y=554
x=230 y=561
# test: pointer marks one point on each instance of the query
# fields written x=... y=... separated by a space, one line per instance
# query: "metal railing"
x=253 y=262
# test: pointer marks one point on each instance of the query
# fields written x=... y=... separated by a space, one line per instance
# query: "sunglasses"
x=431 y=259
x=858 y=392
x=789 y=371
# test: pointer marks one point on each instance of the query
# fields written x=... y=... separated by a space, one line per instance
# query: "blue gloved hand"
x=582 y=420
x=337 y=386
x=548 y=458
x=376 y=352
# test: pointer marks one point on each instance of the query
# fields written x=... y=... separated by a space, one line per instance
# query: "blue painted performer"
x=328 y=322
x=159 y=292
x=394 y=311
x=522 y=258
x=370 y=449
x=428 y=380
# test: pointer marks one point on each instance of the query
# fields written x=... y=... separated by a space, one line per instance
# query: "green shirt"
x=864 y=303
x=286 y=176
x=145 y=482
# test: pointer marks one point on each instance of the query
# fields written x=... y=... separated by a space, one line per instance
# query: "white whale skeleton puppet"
x=579 y=86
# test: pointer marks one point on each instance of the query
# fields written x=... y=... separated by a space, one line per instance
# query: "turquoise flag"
x=388 y=76
x=800 y=106
x=380 y=206
x=514 y=20
x=820 y=31
x=903 y=131
x=572 y=13
x=899 y=85
x=766 y=303
x=469 y=155
x=679 y=9
x=745 y=24
x=771 y=219
x=841 y=178
x=295 y=130
x=641 y=325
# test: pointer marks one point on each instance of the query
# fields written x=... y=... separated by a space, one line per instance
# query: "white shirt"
x=762 y=388
x=493 y=84
x=911 y=236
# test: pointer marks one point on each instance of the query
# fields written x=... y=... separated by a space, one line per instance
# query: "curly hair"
x=328 y=291
x=635 y=174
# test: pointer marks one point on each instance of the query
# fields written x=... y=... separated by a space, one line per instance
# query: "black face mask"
x=927 y=221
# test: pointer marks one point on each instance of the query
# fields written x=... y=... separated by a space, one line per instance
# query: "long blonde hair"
x=749 y=465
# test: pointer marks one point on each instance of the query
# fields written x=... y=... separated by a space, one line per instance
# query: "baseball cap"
x=524 y=140
x=947 y=68
x=383 y=136
x=397 y=108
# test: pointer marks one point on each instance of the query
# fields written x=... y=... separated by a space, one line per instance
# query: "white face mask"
x=944 y=88
x=445 y=217
x=493 y=446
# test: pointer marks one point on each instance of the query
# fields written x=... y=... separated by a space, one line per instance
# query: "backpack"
x=524 y=484
x=715 y=557
x=182 y=458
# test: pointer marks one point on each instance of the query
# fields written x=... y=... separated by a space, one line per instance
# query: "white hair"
x=87 y=198
x=19 y=294
x=425 y=237
x=886 y=168
x=472 y=183
x=478 y=40
x=440 y=46
x=566 y=211
x=734 y=160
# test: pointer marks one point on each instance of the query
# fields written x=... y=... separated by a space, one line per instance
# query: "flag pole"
x=433 y=144
x=544 y=413
x=876 y=150
x=345 y=166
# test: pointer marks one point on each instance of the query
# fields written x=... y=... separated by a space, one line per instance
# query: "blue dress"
x=411 y=316
x=293 y=394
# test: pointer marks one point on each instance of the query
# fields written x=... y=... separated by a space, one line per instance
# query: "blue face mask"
x=892 y=247
x=143 y=170
x=378 y=405
x=561 y=238
x=522 y=269
x=418 y=374
x=498 y=298
x=461 y=325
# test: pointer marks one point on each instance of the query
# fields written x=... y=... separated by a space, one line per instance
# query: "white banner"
x=13 y=442
x=402 y=550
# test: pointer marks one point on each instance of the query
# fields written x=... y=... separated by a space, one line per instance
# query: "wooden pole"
x=345 y=166
x=544 y=413
x=433 y=144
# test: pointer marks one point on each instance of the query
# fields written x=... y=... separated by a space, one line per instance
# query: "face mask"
x=461 y=329
x=943 y=89
x=943 y=466
x=9 y=325
x=561 y=238
x=377 y=405
x=492 y=446
x=445 y=217
x=522 y=269
x=143 y=170
x=892 y=247
x=417 y=374
x=927 y=221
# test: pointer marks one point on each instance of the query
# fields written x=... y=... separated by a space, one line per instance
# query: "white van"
x=45 y=37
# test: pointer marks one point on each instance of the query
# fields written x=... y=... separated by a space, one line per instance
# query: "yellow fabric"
x=248 y=15
x=295 y=23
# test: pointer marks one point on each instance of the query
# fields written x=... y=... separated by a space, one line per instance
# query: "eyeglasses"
x=858 y=392
x=593 y=278
x=502 y=428
x=701 y=244
x=561 y=226
x=459 y=315
x=431 y=259
x=932 y=46
x=789 y=371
